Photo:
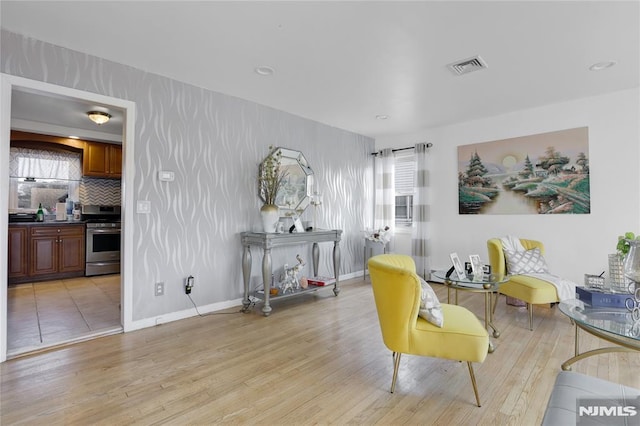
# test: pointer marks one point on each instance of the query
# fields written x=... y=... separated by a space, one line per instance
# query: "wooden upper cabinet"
x=115 y=160
x=102 y=160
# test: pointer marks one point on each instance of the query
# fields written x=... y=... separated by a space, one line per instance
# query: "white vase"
x=270 y=216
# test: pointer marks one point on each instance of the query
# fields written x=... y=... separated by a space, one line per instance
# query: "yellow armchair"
x=397 y=291
x=531 y=290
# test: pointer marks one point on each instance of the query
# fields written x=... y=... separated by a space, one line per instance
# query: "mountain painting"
x=546 y=173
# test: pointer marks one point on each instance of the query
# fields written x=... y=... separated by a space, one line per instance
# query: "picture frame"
x=486 y=269
x=457 y=265
x=467 y=268
x=476 y=264
x=298 y=224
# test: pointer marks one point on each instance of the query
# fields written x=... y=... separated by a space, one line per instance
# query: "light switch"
x=166 y=176
x=143 y=207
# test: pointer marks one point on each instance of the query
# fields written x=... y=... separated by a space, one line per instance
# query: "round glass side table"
x=488 y=285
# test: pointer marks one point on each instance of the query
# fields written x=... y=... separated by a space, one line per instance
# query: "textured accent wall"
x=213 y=143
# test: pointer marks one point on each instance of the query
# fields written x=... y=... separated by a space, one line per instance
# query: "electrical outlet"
x=189 y=285
x=160 y=289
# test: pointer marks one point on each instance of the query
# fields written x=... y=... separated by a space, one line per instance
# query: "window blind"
x=405 y=170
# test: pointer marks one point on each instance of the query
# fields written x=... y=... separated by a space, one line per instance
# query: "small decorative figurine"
x=290 y=282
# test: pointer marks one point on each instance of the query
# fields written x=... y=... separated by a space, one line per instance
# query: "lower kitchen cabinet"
x=51 y=252
x=18 y=247
x=57 y=249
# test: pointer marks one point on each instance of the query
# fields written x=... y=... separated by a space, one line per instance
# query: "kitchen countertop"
x=49 y=222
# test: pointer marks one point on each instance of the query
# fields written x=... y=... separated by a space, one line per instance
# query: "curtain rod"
x=429 y=145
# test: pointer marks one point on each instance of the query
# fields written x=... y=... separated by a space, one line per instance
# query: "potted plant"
x=270 y=179
x=624 y=243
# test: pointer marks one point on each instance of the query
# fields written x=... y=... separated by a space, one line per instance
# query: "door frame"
x=7 y=84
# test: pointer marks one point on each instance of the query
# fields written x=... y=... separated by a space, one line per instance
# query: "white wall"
x=575 y=244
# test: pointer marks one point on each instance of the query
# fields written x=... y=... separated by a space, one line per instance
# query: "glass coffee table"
x=615 y=325
x=485 y=284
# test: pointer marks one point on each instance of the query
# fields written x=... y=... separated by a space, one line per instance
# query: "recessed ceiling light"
x=382 y=117
x=264 y=70
x=602 y=65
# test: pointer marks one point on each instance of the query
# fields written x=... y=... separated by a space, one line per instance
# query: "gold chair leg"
x=396 y=364
x=530 y=307
x=473 y=382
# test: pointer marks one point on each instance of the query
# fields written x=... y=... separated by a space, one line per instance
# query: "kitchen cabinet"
x=102 y=160
x=18 y=250
x=56 y=250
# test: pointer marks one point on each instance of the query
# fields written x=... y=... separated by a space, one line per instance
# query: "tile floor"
x=52 y=313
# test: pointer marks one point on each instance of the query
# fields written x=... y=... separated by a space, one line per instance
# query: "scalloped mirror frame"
x=295 y=194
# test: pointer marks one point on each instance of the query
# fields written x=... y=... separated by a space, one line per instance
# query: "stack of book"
x=598 y=298
x=321 y=281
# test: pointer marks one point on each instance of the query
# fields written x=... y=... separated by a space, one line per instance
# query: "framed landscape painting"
x=546 y=173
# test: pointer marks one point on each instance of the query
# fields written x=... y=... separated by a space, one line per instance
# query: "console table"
x=267 y=241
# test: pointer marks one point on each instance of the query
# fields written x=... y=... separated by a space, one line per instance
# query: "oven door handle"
x=103 y=231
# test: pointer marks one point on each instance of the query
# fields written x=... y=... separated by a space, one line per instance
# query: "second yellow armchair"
x=531 y=290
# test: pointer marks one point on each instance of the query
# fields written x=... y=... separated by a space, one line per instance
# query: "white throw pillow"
x=525 y=262
x=430 y=308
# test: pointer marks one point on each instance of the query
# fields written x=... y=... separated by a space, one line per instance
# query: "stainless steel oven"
x=103 y=239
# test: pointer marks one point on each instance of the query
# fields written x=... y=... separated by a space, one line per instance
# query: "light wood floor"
x=49 y=313
x=317 y=359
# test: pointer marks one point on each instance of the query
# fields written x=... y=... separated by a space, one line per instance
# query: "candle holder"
x=316 y=201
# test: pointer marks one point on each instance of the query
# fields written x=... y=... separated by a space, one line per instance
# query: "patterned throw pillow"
x=430 y=308
x=525 y=262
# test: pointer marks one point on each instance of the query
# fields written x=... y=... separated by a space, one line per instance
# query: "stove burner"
x=96 y=214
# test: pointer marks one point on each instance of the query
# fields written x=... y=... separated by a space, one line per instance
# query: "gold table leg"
x=566 y=366
x=488 y=319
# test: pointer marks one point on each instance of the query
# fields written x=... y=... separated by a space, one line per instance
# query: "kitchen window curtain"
x=40 y=164
x=385 y=192
x=419 y=231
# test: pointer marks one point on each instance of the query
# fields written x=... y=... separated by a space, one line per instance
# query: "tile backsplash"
x=100 y=191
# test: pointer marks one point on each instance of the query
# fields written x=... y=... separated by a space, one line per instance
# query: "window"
x=42 y=177
x=405 y=170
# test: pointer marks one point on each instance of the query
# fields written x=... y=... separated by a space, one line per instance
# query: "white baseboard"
x=187 y=313
x=205 y=309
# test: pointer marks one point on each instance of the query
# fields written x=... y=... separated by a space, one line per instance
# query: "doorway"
x=11 y=84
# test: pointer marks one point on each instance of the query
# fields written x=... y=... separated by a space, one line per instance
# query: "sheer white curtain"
x=420 y=232
x=41 y=164
x=385 y=191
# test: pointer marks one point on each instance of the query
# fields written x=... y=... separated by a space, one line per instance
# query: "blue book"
x=601 y=298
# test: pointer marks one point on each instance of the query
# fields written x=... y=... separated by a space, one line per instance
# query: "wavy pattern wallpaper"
x=213 y=143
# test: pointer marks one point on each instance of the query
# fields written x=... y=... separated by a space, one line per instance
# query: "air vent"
x=467 y=65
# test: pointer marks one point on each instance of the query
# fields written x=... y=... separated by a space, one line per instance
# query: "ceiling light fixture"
x=264 y=70
x=382 y=117
x=99 y=117
x=602 y=65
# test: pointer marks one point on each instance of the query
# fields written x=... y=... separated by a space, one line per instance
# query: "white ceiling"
x=344 y=63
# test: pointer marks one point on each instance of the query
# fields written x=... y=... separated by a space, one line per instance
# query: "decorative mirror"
x=294 y=194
